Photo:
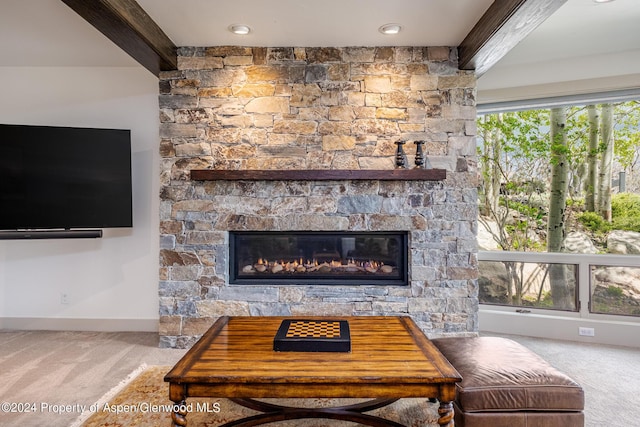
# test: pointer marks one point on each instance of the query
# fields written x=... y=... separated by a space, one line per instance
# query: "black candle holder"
x=401 y=157
x=422 y=161
x=419 y=160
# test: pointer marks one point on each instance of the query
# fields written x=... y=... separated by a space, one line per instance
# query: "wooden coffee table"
x=390 y=358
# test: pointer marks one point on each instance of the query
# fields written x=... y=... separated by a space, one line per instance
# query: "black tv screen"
x=64 y=178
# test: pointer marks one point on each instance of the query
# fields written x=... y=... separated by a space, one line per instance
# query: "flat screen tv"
x=64 y=178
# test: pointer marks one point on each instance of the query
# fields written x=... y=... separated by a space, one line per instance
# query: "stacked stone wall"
x=316 y=108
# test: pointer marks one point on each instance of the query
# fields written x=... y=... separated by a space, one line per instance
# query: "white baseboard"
x=72 y=324
x=612 y=332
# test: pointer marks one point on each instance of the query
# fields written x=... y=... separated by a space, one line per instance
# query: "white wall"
x=111 y=282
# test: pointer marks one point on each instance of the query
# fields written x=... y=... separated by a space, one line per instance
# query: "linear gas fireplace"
x=330 y=258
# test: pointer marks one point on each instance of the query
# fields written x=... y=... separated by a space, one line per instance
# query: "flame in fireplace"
x=311 y=266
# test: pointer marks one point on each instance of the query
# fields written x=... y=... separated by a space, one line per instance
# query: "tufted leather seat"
x=504 y=384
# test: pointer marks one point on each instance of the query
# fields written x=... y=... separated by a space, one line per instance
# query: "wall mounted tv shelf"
x=49 y=234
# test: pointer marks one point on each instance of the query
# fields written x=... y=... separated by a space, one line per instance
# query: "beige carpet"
x=142 y=400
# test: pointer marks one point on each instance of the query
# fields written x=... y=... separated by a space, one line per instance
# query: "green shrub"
x=628 y=223
x=594 y=222
x=577 y=203
x=626 y=203
x=524 y=208
x=625 y=211
x=614 y=291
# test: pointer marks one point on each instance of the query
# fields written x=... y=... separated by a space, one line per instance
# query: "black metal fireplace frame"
x=400 y=278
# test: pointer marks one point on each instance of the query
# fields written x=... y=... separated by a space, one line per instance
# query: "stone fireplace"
x=317 y=109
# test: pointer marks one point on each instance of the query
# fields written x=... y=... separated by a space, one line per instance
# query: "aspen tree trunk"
x=559 y=172
x=487 y=162
x=495 y=169
x=491 y=169
x=592 y=159
x=604 y=190
x=557 y=204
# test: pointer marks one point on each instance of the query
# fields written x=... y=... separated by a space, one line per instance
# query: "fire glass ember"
x=318 y=258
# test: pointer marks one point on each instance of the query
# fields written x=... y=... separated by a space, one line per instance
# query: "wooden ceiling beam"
x=126 y=24
x=504 y=25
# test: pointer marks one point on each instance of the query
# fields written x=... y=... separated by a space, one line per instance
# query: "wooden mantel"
x=319 y=175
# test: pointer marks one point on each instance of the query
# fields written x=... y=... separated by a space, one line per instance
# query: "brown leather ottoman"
x=504 y=384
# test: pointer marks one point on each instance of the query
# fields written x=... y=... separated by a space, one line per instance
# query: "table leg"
x=179 y=414
x=446 y=414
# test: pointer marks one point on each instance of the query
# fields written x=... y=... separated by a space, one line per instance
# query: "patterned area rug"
x=142 y=400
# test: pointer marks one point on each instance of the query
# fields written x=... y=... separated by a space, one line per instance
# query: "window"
x=560 y=178
x=529 y=284
x=615 y=290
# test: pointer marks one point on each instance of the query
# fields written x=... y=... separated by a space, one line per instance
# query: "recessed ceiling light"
x=390 y=29
x=239 y=29
x=603 y=1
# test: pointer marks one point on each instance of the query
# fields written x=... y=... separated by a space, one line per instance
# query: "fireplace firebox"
x=313 y=258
